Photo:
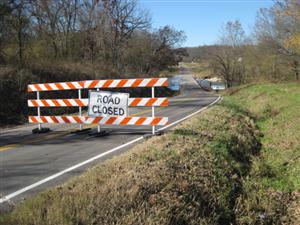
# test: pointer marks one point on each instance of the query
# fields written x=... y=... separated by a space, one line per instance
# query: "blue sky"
x=201 y=20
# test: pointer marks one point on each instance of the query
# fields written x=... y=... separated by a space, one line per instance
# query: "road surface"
x=30 y=162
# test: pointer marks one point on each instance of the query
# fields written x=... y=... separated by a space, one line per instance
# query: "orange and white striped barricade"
x=83 y=102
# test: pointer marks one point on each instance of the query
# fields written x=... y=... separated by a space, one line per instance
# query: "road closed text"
x=108 y=104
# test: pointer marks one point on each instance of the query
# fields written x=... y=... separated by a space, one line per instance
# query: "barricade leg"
x=39 y=129
x=153 y=110
x=98 y=127
x=80 y=109
x=39 y=110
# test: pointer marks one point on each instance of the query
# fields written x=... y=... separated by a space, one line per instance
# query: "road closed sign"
x=103 y=103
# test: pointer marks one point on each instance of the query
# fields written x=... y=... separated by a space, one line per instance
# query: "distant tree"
x=228 y=60
x=125 y=17
x=165 y=48
x=5 y=28
x=278 y=29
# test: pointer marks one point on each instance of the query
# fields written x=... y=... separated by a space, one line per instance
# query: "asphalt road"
x=27 y=158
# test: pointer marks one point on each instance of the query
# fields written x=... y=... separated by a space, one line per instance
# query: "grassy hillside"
x=236 y=163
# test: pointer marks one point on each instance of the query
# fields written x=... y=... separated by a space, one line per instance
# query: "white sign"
x=103 y=103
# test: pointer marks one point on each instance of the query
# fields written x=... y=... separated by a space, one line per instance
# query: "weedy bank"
x=236 y=163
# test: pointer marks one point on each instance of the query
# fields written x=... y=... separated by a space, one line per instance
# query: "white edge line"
x=14 y=194
x=194 y=113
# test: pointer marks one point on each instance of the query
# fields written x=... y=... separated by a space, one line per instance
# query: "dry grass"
x=199 y=70
x=276 y=172
x=213 y=169
x=188 y=176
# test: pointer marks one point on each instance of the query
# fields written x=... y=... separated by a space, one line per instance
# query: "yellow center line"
x=7 y=147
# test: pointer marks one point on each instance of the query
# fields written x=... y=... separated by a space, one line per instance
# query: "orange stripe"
x=48 y=87
x=79 y=102
x=137 y=82
x=135 y=102
x=66 y=101
x=107 y=83
x=140 y=121
x=122 y=83
x=55 y=102
x=111 y=120
x=93 y=84
x=81 y=83
x=59 y=86
x=45 y=103
x=165 y=84
x=97 y=119
x=65 y=119
x=151 y=101
x=33 y=119
x=152 y=82
x=165 y=102
x=29 y=89
x=78 y=120
x=37 y=87
x=54 y=119
x=71 y=85
x=44 y=119
x=125 y=120
x=155 y=121
x=34 y=102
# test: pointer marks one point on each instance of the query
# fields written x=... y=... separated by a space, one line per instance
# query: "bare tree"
x=125 y=17
x=228 y=60
x=278 y=29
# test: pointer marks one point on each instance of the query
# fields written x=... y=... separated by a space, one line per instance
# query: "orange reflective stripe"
x=79 y=102
x=65 y=119
x=140 y=121
x=122 y=83
x=111 y=120
x=97 y=119
x=107 y=83
x=37 y=87
x=77 y=119
x=151 y=101
x=45 y=103
x=55 y=120
x=71 y=85
x=48 y=87
x=165 y=102
x=93 y=84
x=135 y=102
x=125 y=120
x=152 y=82
x=155 y=121
x=44 y=119
x=137 y=82
x=55 y=102
x=59 y=86
x=33 y=119
x=66 y=101
x=34 y=102
x=165 y=84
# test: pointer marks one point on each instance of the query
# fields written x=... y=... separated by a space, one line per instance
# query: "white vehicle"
x=214 y=84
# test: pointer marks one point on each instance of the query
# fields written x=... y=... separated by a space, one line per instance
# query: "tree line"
x=111 y=32
x=271 y=52
x=66 y=40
